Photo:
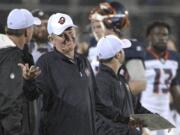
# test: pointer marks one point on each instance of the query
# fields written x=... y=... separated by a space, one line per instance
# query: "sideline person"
x=115 y=102
x=162 y=73
x=112 y=18
x=15 y=112
x=66 y=83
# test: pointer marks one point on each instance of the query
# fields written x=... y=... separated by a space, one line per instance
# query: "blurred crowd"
x=57 y=78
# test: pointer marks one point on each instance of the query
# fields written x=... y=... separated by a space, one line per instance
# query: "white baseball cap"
x=109 y=46
x=21 y=18
x=58 y=23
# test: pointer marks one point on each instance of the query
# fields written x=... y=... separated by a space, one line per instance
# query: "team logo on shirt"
x=12 y=75
x=61 y=20
x=139 y=48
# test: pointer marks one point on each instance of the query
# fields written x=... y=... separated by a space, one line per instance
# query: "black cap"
x=40 y=14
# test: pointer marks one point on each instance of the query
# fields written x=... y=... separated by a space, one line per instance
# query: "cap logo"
x=61 y=20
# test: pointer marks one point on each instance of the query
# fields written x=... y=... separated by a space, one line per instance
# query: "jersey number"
x=166 y=81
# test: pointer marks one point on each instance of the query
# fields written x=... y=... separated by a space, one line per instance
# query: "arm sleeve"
x=175 y=89
x=176 y=80
x=104 y=103
x=10 y=85
x=133 y=66
x=138 y=108
x=34 y=88
x=30 y=89
x=136 y=51
x=43 y=81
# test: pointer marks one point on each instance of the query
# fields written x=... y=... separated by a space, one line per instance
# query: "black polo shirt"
x=114 y=104
x=68 y=94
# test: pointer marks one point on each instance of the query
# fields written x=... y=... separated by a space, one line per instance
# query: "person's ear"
x=25 y=33
x=50 y=38
x=118 y=55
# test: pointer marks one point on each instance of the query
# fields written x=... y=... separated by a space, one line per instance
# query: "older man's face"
x=65 y=42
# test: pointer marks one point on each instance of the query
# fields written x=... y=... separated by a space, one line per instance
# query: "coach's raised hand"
x=29 y=72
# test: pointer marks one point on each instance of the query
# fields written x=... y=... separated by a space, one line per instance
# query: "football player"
x=112 y=18
x=162 y=73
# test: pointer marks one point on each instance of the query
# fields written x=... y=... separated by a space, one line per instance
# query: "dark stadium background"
x=141 y=13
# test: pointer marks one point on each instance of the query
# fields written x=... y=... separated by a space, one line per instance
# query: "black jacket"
x=68 y=95
x=15 y=109
x=114 y=104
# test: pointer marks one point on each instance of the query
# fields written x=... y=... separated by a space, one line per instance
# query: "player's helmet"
x=113 y=15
